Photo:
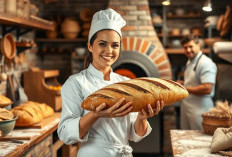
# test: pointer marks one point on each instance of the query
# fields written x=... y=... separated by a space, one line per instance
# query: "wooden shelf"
x=34 y=23
x=61 y=40
x=170 y=36
x=181 y=51
x=25 y=44
x=183 y=16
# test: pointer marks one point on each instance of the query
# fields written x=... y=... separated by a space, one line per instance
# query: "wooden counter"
x=191 y=143
x=36 y=141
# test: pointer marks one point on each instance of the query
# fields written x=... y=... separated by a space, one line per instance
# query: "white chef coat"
x=108 y=137
x=198 y=71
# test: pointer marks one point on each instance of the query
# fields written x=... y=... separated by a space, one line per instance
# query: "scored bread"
x=31 y=112
x=45 y=109
x=139 y=91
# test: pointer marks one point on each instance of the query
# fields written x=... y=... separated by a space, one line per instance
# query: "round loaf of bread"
x=139 y=91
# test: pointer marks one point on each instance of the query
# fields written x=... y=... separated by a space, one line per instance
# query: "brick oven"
x=142 y=52
x=142 y=55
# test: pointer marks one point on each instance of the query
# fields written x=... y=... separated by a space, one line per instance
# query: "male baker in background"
x=199 y=80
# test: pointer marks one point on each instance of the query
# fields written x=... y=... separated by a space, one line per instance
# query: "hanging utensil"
x=3 y=75
x=7 y=47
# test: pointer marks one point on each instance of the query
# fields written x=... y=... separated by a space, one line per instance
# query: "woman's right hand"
x=117 y=110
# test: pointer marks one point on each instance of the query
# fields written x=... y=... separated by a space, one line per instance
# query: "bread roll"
x=30 y=113
x=139 y=91
x=5 y=114
x=4 y=100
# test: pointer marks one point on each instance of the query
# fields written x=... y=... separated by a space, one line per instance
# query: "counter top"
x=28 y=136
x=191 y=143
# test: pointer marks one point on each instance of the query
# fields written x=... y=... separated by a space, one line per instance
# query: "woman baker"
x=103 y=132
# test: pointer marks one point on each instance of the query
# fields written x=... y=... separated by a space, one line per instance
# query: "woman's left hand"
x=151 y=112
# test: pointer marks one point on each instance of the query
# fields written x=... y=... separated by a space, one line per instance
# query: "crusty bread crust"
x=30 y=113
x=139 y=91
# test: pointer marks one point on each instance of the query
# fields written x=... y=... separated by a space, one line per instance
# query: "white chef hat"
x=106 y=19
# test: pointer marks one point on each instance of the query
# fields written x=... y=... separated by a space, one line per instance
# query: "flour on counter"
x=194 y=143
x=205 y=138
x=203 y=152
x=23 y=134
x=7 y=146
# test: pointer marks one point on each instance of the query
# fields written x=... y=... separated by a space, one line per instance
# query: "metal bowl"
x=6 y=126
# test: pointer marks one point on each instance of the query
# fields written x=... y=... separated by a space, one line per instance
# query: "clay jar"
x=70 y=28
x=11 y=6
x=52 y=34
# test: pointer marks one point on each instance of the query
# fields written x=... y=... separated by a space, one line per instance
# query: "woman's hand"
x=141 y=123
x=151 y=112
x=117 y=110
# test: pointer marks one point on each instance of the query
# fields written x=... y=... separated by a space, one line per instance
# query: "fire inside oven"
x=133 y=65
x=130 y=70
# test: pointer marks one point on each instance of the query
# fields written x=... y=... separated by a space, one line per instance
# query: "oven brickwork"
x=140 y=34
x=150 y=50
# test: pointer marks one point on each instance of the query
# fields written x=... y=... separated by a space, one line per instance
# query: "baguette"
x=139 y=91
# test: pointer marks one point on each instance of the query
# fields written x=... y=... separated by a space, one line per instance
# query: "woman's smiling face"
x=105 y=49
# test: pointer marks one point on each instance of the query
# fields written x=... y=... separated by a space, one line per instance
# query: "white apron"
x=193 y=106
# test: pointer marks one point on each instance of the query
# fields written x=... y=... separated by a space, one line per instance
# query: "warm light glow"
x=166 y=2
x=207 y=6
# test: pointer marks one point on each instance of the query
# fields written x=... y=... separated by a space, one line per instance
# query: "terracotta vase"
x=70 y=28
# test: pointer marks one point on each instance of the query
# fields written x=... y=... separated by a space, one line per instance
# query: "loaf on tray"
x=139 y=91
x=30 y=113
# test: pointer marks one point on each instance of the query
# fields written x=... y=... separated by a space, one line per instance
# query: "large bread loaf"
x=139 y=91
x=31 y=112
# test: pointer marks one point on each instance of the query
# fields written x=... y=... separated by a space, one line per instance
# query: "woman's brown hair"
x=89 y=57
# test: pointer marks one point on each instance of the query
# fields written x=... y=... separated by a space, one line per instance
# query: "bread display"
x=30 y=113
x=219 y=116
x=139 y=91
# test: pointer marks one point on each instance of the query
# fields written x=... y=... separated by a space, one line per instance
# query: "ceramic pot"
x=70 y=28
x=52 y=34
x=11 y=6
x=2 y=6
x=86 y=14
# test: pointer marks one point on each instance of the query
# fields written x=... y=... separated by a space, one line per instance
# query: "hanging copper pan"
x=7 y=47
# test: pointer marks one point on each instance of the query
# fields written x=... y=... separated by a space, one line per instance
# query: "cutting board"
x=44 y=122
